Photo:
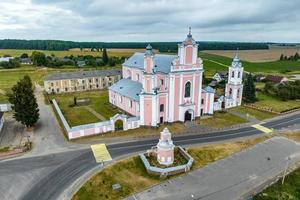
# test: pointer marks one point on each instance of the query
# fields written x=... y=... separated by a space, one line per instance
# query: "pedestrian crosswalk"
x=262 y=128
x=101 y=153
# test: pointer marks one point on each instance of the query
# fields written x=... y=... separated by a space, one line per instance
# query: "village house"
x=25 y=61
x=80 y=81
x=5 y=59
x=220 y=76
x=276 y=79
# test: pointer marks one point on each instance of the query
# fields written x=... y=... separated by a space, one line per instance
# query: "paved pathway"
x=47 y=136
x=98 y=115
x=230 y=178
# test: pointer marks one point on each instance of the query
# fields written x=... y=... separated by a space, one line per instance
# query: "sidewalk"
x=231 y=178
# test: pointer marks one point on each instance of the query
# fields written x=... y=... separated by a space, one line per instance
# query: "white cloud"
x=156 y=20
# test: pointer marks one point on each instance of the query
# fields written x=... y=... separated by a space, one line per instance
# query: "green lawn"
x=132 y=176
x=289 y=190
x=260 y=115
x=80 y=115
x=221 y=120
x=270 y=102
x=264 y=67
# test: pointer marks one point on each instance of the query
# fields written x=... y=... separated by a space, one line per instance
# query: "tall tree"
x=24 y=102
x=24 y=55
x=249 y=89
x=104 y=57
x=38 y=58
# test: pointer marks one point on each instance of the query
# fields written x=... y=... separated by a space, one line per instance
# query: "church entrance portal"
x=188 y=116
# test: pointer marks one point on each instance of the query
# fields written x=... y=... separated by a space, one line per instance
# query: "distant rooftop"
x=128 y=88
x=162 y=62
x=82 y=74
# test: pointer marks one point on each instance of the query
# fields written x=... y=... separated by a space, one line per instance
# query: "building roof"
x=162 y=62
x=275 y=79
x=208 y=89
x=81 y=74
x=128 y=88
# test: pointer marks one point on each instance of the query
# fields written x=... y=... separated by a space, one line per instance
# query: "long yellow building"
x=80 y=81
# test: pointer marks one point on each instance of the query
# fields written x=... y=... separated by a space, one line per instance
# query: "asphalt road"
x=46 y=177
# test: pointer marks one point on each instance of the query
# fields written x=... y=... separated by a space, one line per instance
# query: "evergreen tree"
x=24 y=102
x=249 y=89
x=296 y=56
x=104 y=56
x=282 y=57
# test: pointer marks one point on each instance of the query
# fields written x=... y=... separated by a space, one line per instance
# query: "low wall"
x=164 y=172
x=1 y=123
x=95 y=128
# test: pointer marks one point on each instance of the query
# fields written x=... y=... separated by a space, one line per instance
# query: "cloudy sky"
x=151 y=20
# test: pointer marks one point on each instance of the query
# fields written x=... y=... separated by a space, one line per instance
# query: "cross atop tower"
x=190 y=32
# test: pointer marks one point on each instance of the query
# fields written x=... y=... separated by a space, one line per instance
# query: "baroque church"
x=160 y=88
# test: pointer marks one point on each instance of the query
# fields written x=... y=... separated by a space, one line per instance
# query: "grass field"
x=132 y=176
x=267 y=55
x=260 y=115
x=9 y=77
x=275 y=67
x=221 y=120
x=74 y=52
x=79 y=115
x=275 y=104
x=289 y=190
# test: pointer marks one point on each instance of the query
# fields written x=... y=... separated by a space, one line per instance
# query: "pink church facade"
x=161 y=88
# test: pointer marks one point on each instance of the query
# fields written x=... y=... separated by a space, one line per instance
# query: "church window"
x=230 y=91
x=187 y=91
x=161 y=81
x=239 y=74
x=202 y=101
x=232 y=74
x=238 y=93
x=161 y=107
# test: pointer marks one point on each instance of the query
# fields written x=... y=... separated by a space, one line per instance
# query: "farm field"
x=275 y=67
x=79 y=115
x=267 y=55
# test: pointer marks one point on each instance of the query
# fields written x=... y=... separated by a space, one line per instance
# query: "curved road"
x=46 y=177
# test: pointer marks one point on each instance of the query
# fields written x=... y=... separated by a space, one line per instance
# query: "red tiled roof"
x=275 y=79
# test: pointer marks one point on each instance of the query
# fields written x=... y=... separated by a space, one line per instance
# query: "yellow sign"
x=101 y=153
x=262 y=128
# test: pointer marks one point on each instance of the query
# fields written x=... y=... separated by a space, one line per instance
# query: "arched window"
x=230 y=91
x=238 y=93
x=239 y=74
x=232 y=74
x=187 y=91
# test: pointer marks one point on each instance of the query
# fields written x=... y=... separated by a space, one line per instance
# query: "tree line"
x=295 y=57
x=161 y=46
